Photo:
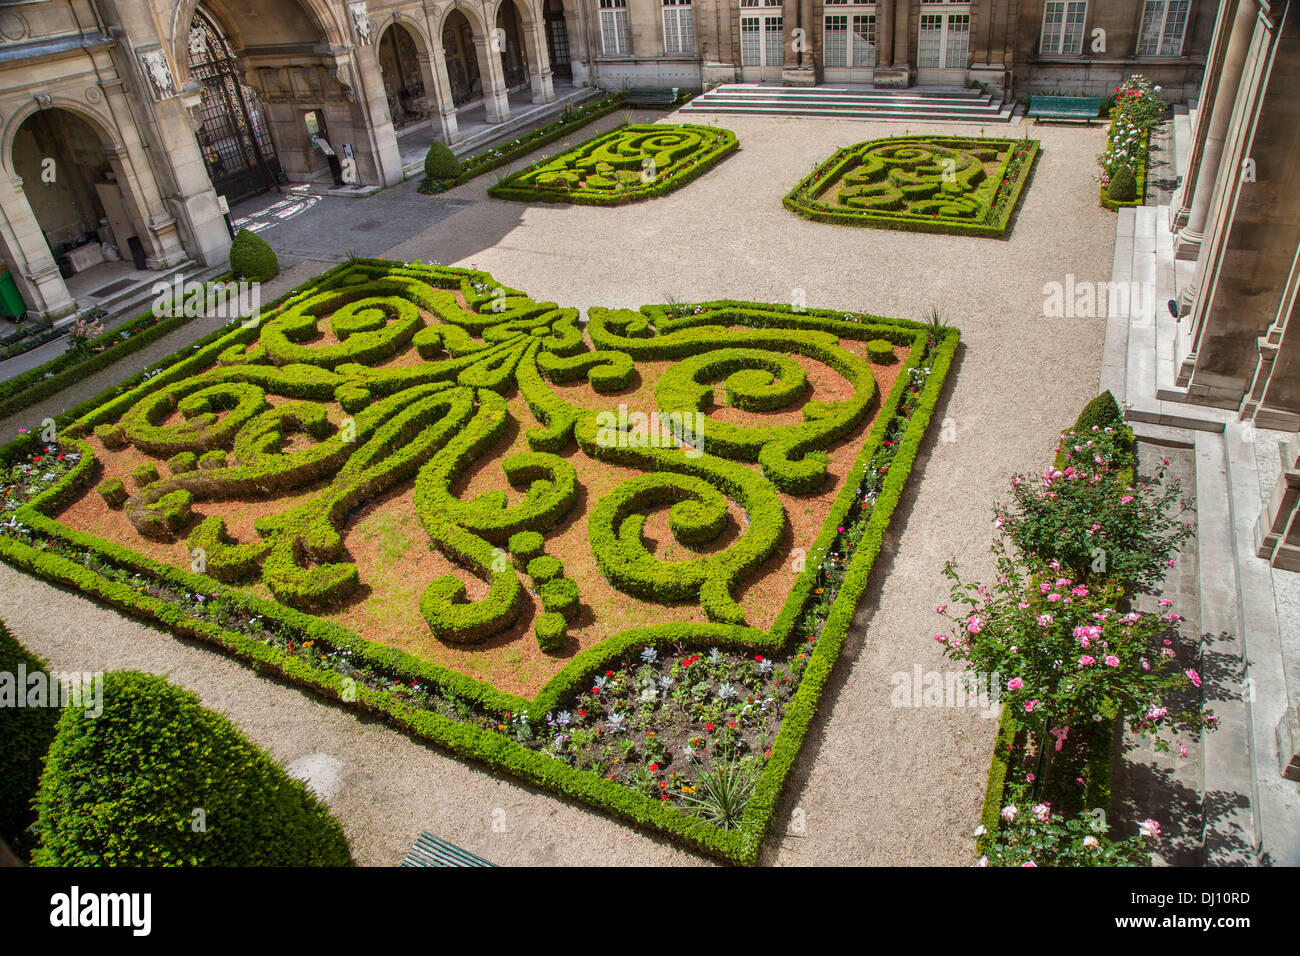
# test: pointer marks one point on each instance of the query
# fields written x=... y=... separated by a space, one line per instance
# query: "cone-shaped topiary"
x=440 y=162
x=126 y=787
x=1101 y=411
x=251 y=258
x=1123 y=187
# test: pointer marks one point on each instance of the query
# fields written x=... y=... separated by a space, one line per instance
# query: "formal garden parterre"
x=626 y=164
x=423 y=493
x=944 y=184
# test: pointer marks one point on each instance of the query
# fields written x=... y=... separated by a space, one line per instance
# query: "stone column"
x=195 y=201
x=496 y=100
x=897 y=73
x=434 y=66
x=884 y=33
x=385 y=156
x=1181 y=207
x=35 y=271
x=577 y=31
x=1188 y=242
x=539 y=60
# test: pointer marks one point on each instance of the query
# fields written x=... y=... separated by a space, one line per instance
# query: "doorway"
x=762 y=41
x=462 y=59
x=233 y=135
x=557 y=40
x=943 y=43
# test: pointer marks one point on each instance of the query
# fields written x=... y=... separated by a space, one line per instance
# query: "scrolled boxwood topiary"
x=113 y=436
x=251 y=258
x=145 y=474
x=1123 y=185
x=114 y=492
x=181 y=757
x=212 y=459
x=526 y=545
x=440 y=162
x=551 y=630
x=880 y=350
x=27 y=733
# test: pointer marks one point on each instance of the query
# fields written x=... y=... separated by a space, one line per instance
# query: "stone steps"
x=851 y=102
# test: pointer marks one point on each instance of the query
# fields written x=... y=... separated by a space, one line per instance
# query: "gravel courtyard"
x=876 y=784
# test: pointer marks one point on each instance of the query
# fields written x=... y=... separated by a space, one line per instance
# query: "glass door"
x=848 y=42
x=943 y=43
x=762 y=41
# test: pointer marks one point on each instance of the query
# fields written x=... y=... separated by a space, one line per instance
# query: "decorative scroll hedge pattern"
x=919 y=183
x=212 y=434
x=631 y=162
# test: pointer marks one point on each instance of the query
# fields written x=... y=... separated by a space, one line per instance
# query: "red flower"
x=609 y=673
x=663 y=784
x=731 y=723
x=759 y=658
x=654 y=767
x=708 y=726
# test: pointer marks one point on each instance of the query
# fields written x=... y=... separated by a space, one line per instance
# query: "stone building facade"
x=1237 y=216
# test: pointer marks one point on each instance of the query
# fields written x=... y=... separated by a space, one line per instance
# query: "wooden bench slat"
x=430 y=851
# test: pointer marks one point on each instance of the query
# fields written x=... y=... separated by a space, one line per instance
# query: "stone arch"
x=410 y=86
x=320 y=13
x=474 y=13
x=102 y=124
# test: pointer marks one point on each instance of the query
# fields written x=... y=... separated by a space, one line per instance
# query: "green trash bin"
x=11 y=300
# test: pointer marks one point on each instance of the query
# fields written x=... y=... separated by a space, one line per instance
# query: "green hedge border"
x=25 y=390
x=484 y=162
x=884 y=220
x=488 y=747
x=1114 y=205
x=661 y=186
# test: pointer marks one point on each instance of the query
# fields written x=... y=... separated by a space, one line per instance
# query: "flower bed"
x=1136 y=110
x=490 y=159
x=659 y=656
x=1056 y=636
x=627 y=164
x=967 y=187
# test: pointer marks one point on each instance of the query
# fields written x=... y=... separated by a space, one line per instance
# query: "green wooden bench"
x=650 y=97
x=1083 y=108
x=431 y=851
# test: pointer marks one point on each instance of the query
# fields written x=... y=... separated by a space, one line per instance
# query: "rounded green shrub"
x=561 y=596
x=251 y=258
x=551 y=630
x=114 y=492
x=526 y=545
x=1123 y=187
x=123 y=788
x=1103 y=411
x=440 y=162
x=880 y=351
x=544 y=569
x=27 y=733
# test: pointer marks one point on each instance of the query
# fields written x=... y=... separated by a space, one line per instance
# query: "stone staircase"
x=917 y=105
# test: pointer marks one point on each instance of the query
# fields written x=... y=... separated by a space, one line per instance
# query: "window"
x=958 y=41
x=1063 y=28
x=856 y=48
x=761 y=3
x=1163 y=24
x=679 y=27
x=613 y=27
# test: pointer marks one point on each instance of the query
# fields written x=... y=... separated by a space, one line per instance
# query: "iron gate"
x=234 y=136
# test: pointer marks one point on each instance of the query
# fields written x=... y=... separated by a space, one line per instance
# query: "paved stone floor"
x=875 y=784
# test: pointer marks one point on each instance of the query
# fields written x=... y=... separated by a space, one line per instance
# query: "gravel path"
x=876 y=784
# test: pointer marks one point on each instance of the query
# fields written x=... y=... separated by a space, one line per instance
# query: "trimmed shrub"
x=145 y=474
x=183 y=462
x=26 y=733
x=551 y=631
x=440 y=162
x=1101 y=411
x=561 y=595
x=880 y=350
x=121 y=789
x=526 y=545
x=114 y=492
x=1123 y=185
x=544 y=569
x=251 y=258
